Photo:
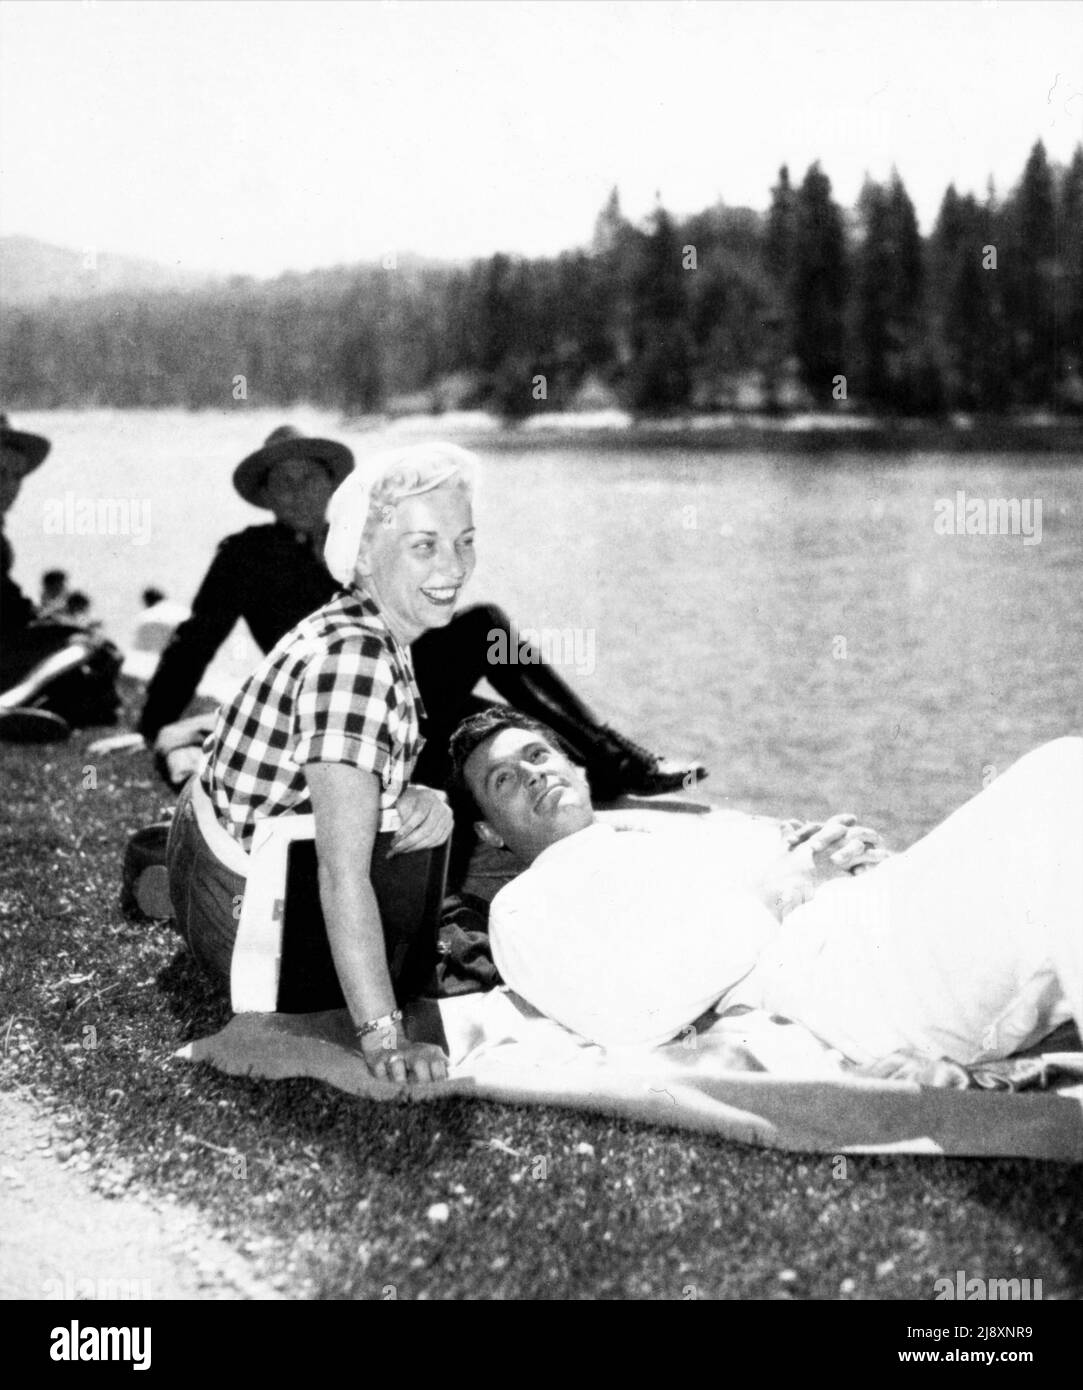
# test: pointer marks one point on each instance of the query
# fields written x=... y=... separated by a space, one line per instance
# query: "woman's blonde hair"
x=366 y=499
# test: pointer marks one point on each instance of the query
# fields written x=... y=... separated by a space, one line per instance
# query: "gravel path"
x=59 y=1238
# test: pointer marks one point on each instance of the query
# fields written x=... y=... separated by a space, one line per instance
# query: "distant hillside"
x=810 y=307
x=32 y=272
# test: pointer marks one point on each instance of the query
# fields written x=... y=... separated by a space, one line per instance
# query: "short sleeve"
x=342 y=713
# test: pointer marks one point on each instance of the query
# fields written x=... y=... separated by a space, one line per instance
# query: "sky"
x=256 y=136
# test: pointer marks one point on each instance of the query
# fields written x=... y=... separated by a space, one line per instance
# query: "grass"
x=334 y=1197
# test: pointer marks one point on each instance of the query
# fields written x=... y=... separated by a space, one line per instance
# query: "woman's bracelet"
x=378 y=1025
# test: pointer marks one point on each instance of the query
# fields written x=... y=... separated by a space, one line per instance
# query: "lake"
x=795 y=622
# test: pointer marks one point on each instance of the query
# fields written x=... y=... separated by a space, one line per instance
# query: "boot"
x=617 y=766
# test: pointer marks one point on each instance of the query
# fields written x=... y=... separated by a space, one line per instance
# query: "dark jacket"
x=16 y=610
x=267 y=575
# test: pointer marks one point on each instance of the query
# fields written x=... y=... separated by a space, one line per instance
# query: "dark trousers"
x=85 y=696
x=207 y=898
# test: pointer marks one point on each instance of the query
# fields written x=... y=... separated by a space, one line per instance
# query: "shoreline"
x=798 y=434
x=610 y=429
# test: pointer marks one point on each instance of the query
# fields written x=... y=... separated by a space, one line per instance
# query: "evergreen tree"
x=610 y=228
x=819 y=286
x=614 y=254
x=1028 y=272
x=1069 y=296
x=780 y=237
x=888 y=292
x=965 y=321
x=780 y=256
x=660 y=370
x=581 y=305
x=509 y=352
x=873 y=291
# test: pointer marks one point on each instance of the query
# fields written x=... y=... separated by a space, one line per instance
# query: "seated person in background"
x=966 y=946
x=274 y=575
x=54 y=593
x=59 y=667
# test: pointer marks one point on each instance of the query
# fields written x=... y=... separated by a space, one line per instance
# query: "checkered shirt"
x=338 y=688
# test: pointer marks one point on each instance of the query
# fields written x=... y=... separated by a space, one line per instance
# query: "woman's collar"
x=372 y=611
x=368 y=597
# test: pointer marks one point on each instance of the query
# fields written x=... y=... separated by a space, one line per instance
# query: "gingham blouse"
x=338 y=688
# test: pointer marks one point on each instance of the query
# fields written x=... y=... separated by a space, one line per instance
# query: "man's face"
x=12 y=468
x=530 y=793
x=298 y=491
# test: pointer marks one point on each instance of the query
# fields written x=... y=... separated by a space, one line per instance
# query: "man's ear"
x=487 y=835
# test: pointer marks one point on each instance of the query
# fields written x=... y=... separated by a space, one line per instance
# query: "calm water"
x=716 y=587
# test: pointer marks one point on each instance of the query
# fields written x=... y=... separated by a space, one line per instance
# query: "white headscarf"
x=380 y=483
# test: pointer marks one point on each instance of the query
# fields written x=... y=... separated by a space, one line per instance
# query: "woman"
x=273 y=575
x=329 y=724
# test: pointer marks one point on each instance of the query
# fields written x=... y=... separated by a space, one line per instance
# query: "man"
x=968 y=945
x=20 y=454
x=273 y=576
x=270 y=575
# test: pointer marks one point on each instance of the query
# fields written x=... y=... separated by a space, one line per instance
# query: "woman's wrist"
x=381 y=1035
x=380 y=1024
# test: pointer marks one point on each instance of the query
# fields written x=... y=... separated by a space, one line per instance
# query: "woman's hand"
x=180 y=764
x=391 y=1056
x=426 y=820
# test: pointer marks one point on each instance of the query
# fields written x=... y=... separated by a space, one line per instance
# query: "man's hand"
x=817 y=852
x=426 y=820
x=841 y=846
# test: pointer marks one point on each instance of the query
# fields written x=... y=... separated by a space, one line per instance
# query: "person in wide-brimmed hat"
x=271 y=575
x=20 y=454
x=29 y=450
x=284 y=445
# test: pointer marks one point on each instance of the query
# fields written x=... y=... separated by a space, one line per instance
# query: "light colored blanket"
x=747 y=1078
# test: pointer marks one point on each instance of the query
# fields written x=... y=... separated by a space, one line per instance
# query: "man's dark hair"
x=474 y=731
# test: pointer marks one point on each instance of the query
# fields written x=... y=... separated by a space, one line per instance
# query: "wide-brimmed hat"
x=32 y=447
x=250 y=475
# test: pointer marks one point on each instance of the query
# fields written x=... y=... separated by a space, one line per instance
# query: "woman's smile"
x=444 y=598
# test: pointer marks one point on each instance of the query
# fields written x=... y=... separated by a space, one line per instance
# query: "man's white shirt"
x=621 y=939
x=966 y=945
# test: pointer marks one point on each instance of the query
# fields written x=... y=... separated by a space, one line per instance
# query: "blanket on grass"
x=743 y=1076
x=748 y=1077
